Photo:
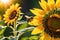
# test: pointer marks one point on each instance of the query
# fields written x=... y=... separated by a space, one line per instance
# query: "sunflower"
x=47 y=20
x=12 y=14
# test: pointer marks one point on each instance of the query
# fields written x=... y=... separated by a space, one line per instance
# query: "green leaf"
x=22 y=26
x=1 y=31
x=33 y=38
x=28 y=36
x=2 y=23
x=8 y=32
x=25 y=38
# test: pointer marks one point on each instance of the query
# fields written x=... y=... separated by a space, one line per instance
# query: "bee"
x=30 y=18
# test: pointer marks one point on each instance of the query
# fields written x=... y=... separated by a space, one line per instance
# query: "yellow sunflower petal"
x=37 y=11
x=39 y=17
x=34 y=22
x=45 y=36
x=38 y=30
x=12 y=6
x=51 y=4
x=16 y=6
x=37 y=20
x=58 y=3
x=44 y=5
x=42 y=37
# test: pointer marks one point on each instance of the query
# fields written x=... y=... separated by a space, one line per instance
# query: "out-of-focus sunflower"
x=12 y=14
x=47 y=20
x=0 y=17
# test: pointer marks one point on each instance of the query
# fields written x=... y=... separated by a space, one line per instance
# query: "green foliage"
x=6 y=39
x=22 y=26
x=2 y=23
x=2 y=11
x=8 y=32
x=1 y=32
x=27 y=36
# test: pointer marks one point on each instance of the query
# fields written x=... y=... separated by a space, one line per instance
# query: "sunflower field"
x=29 y=19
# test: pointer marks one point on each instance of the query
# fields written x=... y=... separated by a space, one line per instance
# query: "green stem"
x=14 y=28
x=15 y=33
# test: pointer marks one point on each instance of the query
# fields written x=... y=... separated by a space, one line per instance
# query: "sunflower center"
x=12 y=15
x=53 y=23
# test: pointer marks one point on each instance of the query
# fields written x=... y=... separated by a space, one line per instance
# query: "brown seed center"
x=53 y=23
x=12 y=15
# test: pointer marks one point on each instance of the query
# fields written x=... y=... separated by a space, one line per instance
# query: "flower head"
x=47 y=20
x=12 y=14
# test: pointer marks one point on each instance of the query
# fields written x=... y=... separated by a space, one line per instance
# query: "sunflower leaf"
x=2 y=23
x=1 y=32
x=27 y=36
x=22 y=25
x=8 y=32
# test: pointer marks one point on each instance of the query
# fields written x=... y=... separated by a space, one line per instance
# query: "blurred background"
x=25 y=4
